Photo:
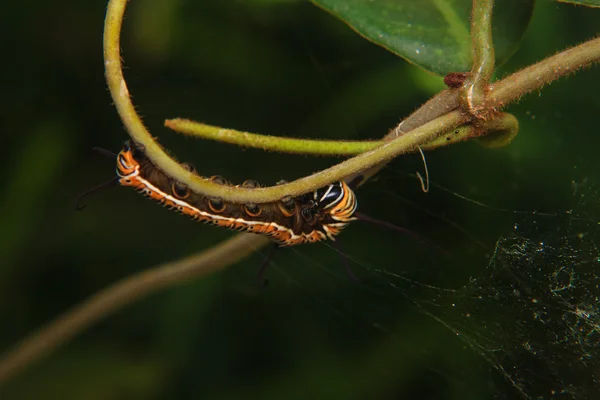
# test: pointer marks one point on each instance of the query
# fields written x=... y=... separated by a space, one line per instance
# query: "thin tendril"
x=424 y=185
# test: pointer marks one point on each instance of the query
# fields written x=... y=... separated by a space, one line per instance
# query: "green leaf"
x=587 y=3
x=433 y=34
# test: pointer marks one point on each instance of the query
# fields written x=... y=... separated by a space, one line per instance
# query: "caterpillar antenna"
x=79 y=202
x=105 y=152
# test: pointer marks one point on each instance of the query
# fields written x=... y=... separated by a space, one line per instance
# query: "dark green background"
x=287 y=68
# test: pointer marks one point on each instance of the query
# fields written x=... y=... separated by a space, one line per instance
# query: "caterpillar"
x=308 y=218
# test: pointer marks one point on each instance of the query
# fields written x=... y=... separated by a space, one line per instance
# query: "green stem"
x=135 y=287
x=271 y=143
x=563 y=63
x=301 y=146
x=139 y=133
x=483 y=57
x=138 y=286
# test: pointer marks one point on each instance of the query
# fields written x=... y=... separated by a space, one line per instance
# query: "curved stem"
x=139 y=133
x=502 y=130
x=134 y=288
x=428 y=118
x=122 y=293
x=400 y=145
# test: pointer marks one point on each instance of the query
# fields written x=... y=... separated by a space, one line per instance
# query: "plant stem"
x=393 y=148
x=483 y=58
x=138 y=132
x=271 y=143
x=300 y=146
x=437 y=115
x=503 y=130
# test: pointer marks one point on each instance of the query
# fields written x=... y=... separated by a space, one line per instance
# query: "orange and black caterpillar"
x=309 y=218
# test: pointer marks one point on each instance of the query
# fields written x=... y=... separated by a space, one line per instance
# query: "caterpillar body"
x=309 y=218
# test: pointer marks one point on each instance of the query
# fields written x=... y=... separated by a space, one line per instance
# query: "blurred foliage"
x=274 y=67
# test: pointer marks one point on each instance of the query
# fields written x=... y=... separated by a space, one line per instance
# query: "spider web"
x=529 y=317
x=535 y=305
